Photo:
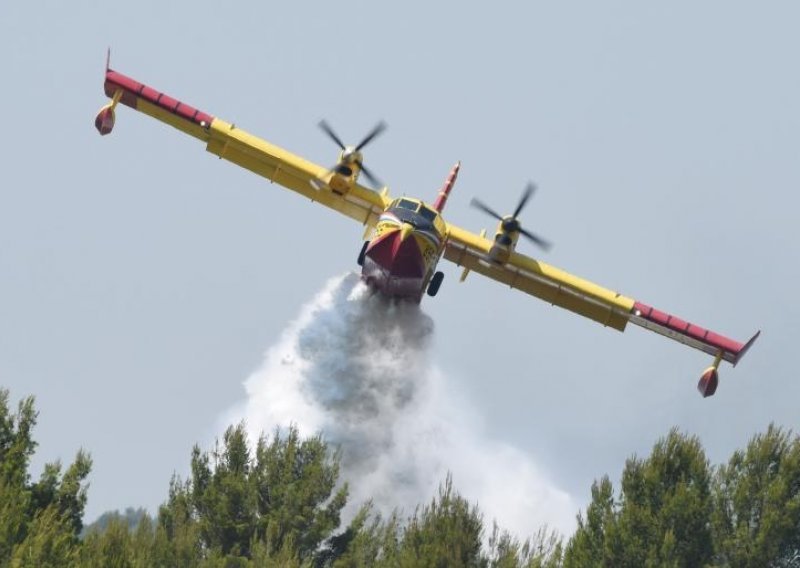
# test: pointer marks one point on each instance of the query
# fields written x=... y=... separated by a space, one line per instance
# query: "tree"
x=131 y=517
x=279 y=504
x=368 y=541
x=16 y=448
x=756 y=520
x=39 y=522
x=67 y=492
x=280 y=500
x=295 y=483
x=223 y=497
x=123 y=541
x=593 y=543
x=49 y=542
x=109 y=546
x=543 y=550
x=446 y=532
x=662 y=517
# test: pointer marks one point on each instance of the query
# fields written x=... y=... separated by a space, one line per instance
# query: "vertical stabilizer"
x=441 y=199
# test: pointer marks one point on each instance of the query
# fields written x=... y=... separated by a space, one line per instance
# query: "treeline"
x=279 y=504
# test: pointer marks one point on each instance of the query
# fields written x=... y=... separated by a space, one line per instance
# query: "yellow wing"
x=539 y=279
x=235 y=145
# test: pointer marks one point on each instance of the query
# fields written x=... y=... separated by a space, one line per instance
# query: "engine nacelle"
x=502 y=247
x=708 y=382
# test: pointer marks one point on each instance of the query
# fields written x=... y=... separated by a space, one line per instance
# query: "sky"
x=142 y=281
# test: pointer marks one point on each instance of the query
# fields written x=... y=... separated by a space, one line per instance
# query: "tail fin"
x=441 y=199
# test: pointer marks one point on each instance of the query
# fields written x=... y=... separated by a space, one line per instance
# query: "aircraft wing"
x=462 y=247
x=539 y=279
x=238 y=146
x=600 y=304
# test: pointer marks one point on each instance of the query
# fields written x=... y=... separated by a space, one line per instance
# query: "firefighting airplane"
x=405 y=238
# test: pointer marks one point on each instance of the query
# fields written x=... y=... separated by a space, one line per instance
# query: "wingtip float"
x=405 y=238
x=721 y=347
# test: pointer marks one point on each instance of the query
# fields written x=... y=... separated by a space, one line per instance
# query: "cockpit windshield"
x=407 y=204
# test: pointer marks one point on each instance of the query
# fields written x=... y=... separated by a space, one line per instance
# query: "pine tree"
x=542 y=550
x=279 y=501
x=39 y=522
x=593 y=541
x=662 y=517
x=49 y=542
x=446 y=532
x=756 y=520
x=369 y=541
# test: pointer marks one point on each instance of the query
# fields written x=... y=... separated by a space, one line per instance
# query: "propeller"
x=510 y=223
x=352 y=154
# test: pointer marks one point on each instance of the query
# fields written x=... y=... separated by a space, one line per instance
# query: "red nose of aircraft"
x=398 y=254
x=394 y=264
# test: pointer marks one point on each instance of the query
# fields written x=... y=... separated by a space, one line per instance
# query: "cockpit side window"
x=427 y=213
x=407 y=204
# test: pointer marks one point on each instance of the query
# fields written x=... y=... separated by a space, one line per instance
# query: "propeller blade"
x=329 y=131
x=546 y=245
x=478 y=204
x=529 y=189
x=380 y=127
x=376 y=183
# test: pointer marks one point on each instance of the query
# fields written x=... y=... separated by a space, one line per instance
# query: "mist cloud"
x=358 y=368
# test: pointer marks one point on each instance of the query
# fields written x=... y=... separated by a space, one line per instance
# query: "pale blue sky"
x=141 y=279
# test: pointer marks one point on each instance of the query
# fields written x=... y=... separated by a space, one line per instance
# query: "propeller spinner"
x=352 y=154
x=510 y=223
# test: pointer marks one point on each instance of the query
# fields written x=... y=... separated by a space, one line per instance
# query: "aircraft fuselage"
x=404 y=249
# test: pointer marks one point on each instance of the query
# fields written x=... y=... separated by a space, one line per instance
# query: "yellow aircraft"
x=405 y=238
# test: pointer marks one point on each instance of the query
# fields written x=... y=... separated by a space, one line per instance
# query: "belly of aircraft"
x=395 y=266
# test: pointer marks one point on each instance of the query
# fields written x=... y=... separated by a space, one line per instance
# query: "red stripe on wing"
x=133 y=91
x=693 y=334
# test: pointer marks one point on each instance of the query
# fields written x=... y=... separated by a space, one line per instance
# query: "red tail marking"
x=441 y=199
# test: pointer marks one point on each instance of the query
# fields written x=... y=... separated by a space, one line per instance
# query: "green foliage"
x=16 y=448
x=275 y=504
x=279 y=504
x=673 y=510
x=39 y=522
x=14 y=517
x=49 y=542
x=662 y=517
x=446 y=532
x=110 y=547
x=368 y=541
x=543 y=550
x=16 y=443
x=756 y=520
x=296 y=497
x=69 y=497
x=592 y=543
x=131 y=517
x=666 y=505
x=285 y=493
x=222 y=499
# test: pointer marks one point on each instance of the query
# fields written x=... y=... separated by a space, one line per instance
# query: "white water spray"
x=357 y=368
